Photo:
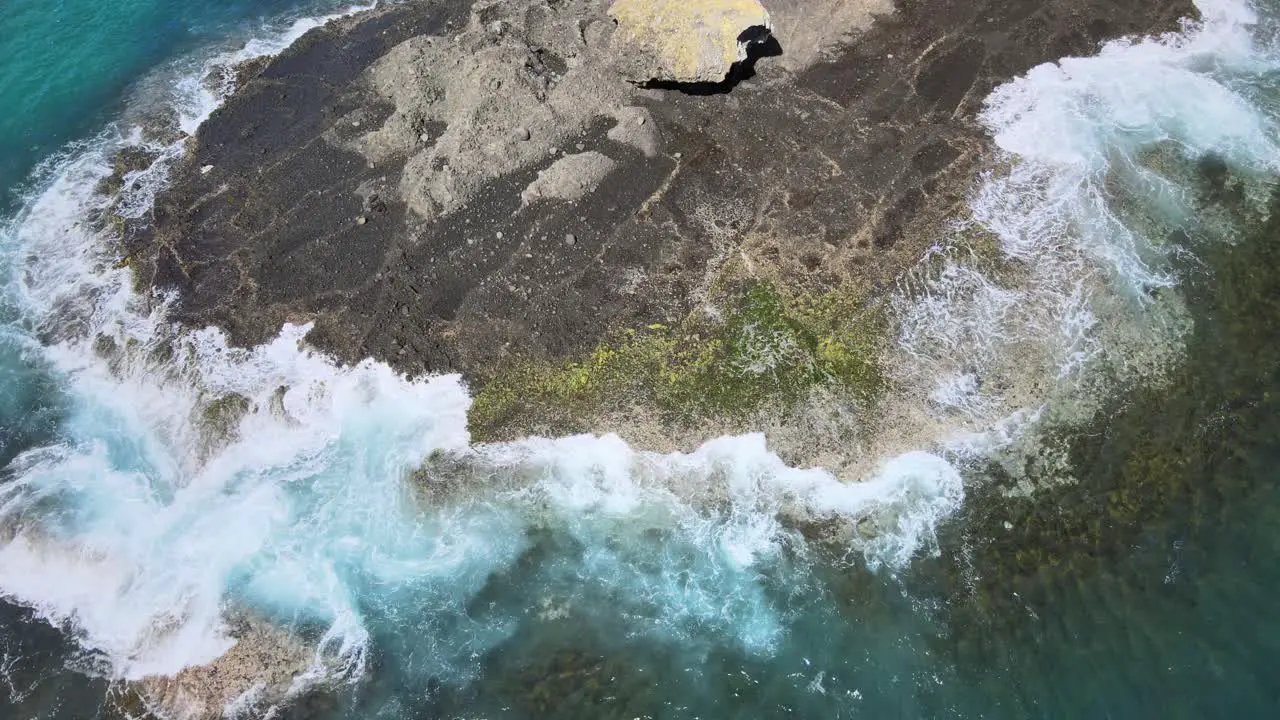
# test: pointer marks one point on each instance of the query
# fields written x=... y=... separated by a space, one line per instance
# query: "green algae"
x=221 y=417
x=766 y=351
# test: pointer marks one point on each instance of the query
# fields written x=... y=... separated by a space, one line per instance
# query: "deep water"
x=585 y=579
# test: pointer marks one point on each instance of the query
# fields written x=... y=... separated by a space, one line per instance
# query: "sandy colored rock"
x=501 y=103
x=256 y=673
x=636 y=128
x=687 y=41
x=569 y=178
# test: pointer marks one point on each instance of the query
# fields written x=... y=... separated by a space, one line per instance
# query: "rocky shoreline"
x=482 y=188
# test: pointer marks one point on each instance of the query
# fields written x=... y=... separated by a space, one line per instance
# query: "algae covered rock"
x=687 y=41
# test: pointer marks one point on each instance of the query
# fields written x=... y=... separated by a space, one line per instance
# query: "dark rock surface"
x=836 y=172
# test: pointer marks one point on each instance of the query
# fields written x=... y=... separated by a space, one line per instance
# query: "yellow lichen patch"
x=688 y=40
x=766 y=353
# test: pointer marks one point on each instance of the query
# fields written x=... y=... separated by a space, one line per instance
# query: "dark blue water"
x=1143 y=588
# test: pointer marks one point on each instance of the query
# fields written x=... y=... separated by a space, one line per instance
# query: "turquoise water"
x=1112 y=558
x=69 y=65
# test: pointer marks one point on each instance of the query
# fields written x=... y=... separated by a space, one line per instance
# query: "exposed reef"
x=481 y=188
x=254 y=675
x=687 y=42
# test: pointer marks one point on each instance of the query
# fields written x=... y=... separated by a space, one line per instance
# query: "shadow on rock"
x=760 y=45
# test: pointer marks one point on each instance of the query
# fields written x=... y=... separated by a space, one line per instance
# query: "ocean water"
x=1093 y=535
x=70 y=67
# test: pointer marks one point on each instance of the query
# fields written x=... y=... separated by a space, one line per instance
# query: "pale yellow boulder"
x=687 y=40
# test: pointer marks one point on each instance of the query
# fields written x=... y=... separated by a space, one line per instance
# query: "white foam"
x=197 y=99
x=585 y=475
x=984 y=348
x=146 y=534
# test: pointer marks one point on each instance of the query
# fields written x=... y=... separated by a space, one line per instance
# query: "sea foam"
x=1084 y=300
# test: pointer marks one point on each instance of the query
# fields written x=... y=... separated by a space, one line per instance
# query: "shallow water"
x=1102 y=546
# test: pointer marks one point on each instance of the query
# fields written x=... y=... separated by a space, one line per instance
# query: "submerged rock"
x=688 y=42
x=219 y=422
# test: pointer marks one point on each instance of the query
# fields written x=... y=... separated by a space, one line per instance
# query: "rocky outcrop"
x=811 y=31
x=518 y=84
x=687 y=41
x=569 y=178
x=457 y=188
x=254 y=675
x=409 y=179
